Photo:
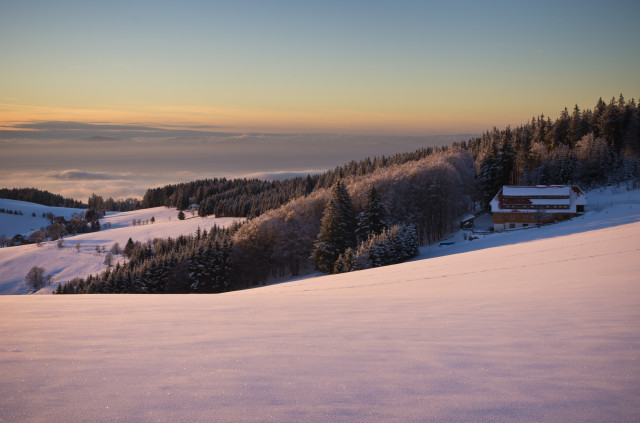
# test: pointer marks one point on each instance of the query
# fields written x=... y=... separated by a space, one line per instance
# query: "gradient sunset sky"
x=382 y=68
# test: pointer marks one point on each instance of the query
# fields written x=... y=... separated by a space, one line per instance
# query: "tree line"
x=99 y=204
x=426 y=196
x=585 y=147
x=45 y=198
x=385 y=215
x=253 y=197
x=198 y=263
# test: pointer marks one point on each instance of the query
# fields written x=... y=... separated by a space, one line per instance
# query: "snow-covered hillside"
x=12 y=224
x=608 y=206
x=544 y=330
x=69 y=262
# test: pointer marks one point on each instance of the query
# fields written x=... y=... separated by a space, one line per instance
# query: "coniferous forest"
x=373 y=212
x=33 y=195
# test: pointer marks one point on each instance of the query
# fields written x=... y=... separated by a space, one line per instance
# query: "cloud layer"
x=99 y=131
x=81 y=175
x=76 y=159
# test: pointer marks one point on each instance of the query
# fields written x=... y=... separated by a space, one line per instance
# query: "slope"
x=543 y=330
x=12 y=224
x=69 y=262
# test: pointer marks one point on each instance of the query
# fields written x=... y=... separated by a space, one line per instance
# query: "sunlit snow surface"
x=68 y=262
x=540 y=330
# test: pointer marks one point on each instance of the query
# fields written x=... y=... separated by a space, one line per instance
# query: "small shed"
x=467 y=221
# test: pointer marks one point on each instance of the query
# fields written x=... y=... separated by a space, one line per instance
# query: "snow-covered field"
x=68 y=262
x=11 y=224
x=519 y=327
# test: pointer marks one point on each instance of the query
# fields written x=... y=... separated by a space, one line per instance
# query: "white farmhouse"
x=521 y=206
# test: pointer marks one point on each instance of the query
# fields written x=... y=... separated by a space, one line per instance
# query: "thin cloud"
x=81 y=175
x=281 y=175
x=80 y=126
x=99 y=138
x=83 y=130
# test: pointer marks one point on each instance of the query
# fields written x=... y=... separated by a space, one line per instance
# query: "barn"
x=516 y=207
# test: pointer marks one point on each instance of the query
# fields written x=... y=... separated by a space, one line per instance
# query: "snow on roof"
x=468 y=217
x=537 y=190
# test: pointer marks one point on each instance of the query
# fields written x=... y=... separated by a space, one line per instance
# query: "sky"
x=353 y=74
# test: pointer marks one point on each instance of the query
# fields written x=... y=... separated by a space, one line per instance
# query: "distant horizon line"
x=42 y=129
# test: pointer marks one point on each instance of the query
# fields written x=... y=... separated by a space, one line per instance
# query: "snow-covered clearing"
x=68 y=262
x=12 y=224
x=541 y=330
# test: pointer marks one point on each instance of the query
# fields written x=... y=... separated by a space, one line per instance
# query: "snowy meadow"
x=536 y=325
x=78 y=256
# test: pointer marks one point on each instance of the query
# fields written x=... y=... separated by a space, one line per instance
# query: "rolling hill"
x=69 y=262
x=532 y=326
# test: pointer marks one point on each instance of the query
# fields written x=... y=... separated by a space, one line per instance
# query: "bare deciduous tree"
x=37 y=237
x=35 y=278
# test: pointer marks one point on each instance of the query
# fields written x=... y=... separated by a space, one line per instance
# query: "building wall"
x=514 y=220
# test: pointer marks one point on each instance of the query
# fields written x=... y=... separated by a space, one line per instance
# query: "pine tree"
x=609 y=124
x=576 y=127
x=128 y=248
x=506 y=161
x=394 y=245
x=489 y=177
x=596 y=117
x=337 y=230
x=345 y=262
x=560 y=130
x=373 y=219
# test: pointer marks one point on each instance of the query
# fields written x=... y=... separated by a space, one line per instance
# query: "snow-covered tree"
x=394 y=245
x=345 y=262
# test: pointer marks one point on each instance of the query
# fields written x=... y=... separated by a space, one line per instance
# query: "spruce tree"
x=128 y=248
x=489 y=175
x=373 y=219
x=337 y=230
x=576 y=127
